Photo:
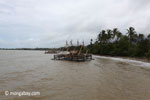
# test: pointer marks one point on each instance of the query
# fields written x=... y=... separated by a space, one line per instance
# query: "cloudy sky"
x=49 y=23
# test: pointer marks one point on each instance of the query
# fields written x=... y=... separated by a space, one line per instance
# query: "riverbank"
x=130 y=58
x=134 y=61
x=138 y=59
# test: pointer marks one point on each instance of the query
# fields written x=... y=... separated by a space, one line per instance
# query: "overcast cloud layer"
x=49 y=23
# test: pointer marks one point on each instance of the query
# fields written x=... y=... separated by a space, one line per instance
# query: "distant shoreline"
x=28 y=49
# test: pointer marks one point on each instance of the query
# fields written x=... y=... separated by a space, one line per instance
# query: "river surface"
x=99 y=79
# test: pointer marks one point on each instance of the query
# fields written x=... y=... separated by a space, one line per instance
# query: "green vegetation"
x=114 y=43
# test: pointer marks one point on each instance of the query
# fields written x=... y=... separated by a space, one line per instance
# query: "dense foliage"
x=114 y=43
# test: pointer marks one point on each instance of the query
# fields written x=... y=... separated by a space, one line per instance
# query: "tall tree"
x=141 y=37
x=109 y=35
x=131 y=34
x=148 y=37
x=115 y=31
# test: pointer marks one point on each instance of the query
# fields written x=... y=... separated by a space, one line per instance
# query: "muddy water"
x=100 y=79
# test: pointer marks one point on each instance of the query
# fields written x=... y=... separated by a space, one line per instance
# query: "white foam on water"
x=135 y=62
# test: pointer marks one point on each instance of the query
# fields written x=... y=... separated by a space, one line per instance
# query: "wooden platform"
x=69 y=57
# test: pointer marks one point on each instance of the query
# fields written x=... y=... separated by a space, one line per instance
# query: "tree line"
x=115 y=43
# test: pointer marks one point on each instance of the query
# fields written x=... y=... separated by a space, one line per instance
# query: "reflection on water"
x=100 y=79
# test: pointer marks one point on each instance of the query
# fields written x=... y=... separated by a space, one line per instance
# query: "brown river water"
x=99 y=79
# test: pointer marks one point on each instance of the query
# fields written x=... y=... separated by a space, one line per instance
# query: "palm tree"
x=104 y=36
x=141 y=37
x=109 y=34
x=131 y=31
x=91 y=42
x=115 y=31
x=119 y=35
x=99 y=37
x=148 y=36
x=131 y=34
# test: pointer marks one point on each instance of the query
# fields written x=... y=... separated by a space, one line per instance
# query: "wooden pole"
x=86 y=52
x=80 y=50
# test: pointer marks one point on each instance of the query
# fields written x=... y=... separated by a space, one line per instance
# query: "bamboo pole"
x=86 y=52
x=80 y=50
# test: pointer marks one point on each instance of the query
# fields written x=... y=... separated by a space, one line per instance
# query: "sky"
x=49 y=23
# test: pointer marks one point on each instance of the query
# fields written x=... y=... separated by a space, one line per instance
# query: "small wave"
x=139 y=63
